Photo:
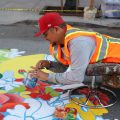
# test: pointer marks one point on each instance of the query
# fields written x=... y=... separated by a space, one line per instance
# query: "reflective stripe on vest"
x=114 y=40
x=57 y=54
x=103 y=49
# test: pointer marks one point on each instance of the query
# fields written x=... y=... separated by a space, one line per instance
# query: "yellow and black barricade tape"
x=38 y=10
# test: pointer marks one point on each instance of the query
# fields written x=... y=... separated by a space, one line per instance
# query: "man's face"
x=54 y=35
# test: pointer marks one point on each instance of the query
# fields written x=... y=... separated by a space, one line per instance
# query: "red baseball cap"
x=47 y=21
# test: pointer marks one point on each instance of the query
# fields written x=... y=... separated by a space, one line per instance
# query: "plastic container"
x=30 y=81
x=110 y=10
x=89 y=14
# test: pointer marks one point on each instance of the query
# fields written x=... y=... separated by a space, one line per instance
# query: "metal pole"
x=61 y=4
x=91 y=4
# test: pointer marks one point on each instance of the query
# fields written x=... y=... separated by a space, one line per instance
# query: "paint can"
x=30 y=81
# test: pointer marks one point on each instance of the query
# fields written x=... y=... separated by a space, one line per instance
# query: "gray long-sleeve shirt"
x=81 y=50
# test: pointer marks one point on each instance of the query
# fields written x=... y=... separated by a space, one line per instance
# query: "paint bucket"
x=30 y=81
x=89 y=14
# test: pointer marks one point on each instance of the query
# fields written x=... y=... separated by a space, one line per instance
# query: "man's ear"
x=56 y=28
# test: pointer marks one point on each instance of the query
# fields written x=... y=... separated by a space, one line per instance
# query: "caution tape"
x=18 y=9
x=38 y=10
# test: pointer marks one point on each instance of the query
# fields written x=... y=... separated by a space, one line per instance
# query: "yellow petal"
x=25 y=96
x=25 y=92
x=2 y=91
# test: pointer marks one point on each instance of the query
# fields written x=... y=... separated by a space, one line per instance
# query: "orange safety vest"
x=107 y=48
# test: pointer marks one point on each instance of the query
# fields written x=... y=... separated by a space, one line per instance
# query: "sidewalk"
x=10 y=17
x=26 y=10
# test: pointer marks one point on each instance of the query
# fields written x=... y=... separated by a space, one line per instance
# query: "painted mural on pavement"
x=19 y=102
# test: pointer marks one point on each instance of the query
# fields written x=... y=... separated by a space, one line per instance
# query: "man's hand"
x=43 y=64
x=37 y=73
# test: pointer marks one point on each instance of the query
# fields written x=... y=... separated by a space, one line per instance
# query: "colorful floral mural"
x=19 y=102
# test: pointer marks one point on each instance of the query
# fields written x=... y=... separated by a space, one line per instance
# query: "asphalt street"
x=21 y=36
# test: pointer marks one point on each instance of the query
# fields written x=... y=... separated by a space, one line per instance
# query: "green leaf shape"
x=69 y=116
x=54 y=93
x=51 y=91
x=1 y=75
x=17 y=89
x=48 y=90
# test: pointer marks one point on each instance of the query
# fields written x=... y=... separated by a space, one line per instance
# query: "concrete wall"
x=82 y=3
x=58 y=2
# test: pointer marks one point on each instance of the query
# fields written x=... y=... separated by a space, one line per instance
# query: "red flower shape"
x=10 y=101
x=103 y=97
